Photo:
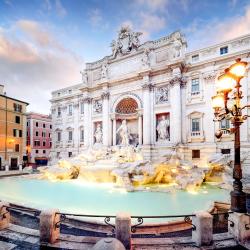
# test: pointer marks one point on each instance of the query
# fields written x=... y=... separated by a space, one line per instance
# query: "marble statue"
x=161 y=95
x=162 y=129
x=104 y=72
x=98 y=134
x=124 y=133
x=177 y=45
x=97 y=107
x=145 y=58
x=84 y=76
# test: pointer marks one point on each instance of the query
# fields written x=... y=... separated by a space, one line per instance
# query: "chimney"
x=1 y=89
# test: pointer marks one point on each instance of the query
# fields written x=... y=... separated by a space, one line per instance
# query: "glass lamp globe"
x=238 y=69
x=218 y=101
x=225 y=82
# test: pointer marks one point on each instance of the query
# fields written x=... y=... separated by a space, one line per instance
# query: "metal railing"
x=220 y=220
x=107 y=218
x=140 y=219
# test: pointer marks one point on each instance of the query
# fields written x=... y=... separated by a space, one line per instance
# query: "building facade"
x=12 y=130
x=39 y=140
x=154 y=95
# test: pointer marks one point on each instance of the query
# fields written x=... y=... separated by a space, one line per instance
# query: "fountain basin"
x=76 y=196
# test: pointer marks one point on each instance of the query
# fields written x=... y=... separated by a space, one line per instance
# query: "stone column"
x=123 y=229
x=114 y=131
x=147 y=87
x=49 y=233
x=140 y=128
x=175 y=115
x=87 y=127
x=203 y=233
x=239 y=226
x=105 y=118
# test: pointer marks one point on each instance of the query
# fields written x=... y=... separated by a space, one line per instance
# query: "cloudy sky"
x=45 y=43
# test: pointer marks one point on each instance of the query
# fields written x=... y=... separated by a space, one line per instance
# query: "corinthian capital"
x=87 y=100
x=178 y=80
x=105 y=95
x=148 y=86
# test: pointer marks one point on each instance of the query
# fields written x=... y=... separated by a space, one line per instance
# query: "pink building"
x=39 y=141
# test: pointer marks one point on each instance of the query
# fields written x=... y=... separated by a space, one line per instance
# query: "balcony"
x=196 y=136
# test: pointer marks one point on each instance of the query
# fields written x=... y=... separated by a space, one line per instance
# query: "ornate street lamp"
x=229 y=83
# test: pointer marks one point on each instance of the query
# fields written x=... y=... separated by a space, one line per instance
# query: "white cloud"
x=30 y=70
x=60 y=10
x=96 y=19
x=150 y=23
x=153 y=5
x=201 y=33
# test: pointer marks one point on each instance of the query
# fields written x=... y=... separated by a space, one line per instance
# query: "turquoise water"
x=76 y=197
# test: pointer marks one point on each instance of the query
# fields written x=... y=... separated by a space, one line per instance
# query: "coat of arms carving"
x=127 y=41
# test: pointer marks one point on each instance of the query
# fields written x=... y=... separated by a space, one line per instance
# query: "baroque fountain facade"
x=141 y=117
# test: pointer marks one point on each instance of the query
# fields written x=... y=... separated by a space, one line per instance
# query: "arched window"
x=126 y=106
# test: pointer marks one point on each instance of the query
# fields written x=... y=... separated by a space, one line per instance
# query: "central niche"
x=126 y=110
x=127 y=106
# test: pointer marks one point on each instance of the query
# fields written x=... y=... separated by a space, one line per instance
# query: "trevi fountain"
x=106 y=180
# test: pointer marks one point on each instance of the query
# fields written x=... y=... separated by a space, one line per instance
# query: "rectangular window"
x=37 y=133
x=44 y=151
x=57 y=154
x=37 y=151
x=225 y=124
x=224 y=50
x=17 y=148
x=20 y=133
x=14 y=132
x=36 y=124
x=70 y=135
x=50 y=126
x=70 y=107
x=225 y=151
x=81 y=135
x=50 y=144
x=37 y=143
x=82 y=108
x=195 y=154
x=18 y=119
x=195 y=86
x=17 y=107
x=43 y=134
x=59 y=112
x=70 y=154
x=44 y=126
x=58 y=136
x=195 y=58
x=195 y=125
x=44 y=143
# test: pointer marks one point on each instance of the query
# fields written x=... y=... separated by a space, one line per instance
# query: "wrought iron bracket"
x=188 y=220
x=140 y=222
x=62 y=218
x=107 y=222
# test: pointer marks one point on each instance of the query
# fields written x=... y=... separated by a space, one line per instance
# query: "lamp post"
x=229 y=89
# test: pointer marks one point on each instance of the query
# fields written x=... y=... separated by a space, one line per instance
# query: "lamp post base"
x=238 y=201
